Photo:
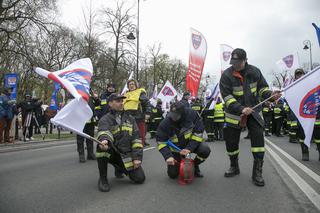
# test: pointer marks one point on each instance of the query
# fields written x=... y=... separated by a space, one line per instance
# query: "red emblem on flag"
x=167 y=91
x=310 y=103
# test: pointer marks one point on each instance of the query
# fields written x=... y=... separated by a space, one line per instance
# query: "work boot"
x=82 y=158
x=103 y=184
x=257 y=172
x=146 y=144
x=90 y=154
x=292 y=140
x=234 y=167
x=305 y=152
x=197 y=172
x=118 y=173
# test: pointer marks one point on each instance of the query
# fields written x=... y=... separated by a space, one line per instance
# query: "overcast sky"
x=267 y=29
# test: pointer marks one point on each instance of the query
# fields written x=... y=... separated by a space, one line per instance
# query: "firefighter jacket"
x=208 y=114
x=219 y=113
x=93 y=104
x=292 y=120
x=156 y=114
x=120 y=129
x=278 y=111
x=187 y=133
x=240 y=89
x=137 y=104
x=267 y=109
x=197 y=107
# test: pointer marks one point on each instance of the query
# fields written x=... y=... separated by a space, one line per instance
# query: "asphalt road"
x=52 y=180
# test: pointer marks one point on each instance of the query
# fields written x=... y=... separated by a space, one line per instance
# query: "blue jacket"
x=6 y=107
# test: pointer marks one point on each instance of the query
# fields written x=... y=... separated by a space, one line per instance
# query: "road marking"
x=313 y=196
x=308 y=171
x=149 y=148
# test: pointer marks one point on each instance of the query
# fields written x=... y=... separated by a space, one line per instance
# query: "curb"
x=20 y=146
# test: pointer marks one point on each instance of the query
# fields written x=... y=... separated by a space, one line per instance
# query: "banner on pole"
x=225 y=56
x=197 y=56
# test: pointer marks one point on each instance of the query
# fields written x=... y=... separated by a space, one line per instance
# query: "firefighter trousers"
x=232 y=137
x=277 y=126
x=88 y=129
x=104 y=158
x=267 y=123
x=209 y=127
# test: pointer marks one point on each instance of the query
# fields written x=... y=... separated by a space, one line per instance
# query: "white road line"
x=308 y=171
x=149 y=148
x=313 y=196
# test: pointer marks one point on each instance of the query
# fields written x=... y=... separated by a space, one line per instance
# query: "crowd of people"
x=27 y=115
x=124 y=120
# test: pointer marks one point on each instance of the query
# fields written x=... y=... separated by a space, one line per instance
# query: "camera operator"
x=28 y=108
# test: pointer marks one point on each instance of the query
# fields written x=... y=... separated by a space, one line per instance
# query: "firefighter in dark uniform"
x=278 y=117
x=121 y=144
x=286 y=111
x=88 y=129
x=208 y=118
x=218 y=120
x=155 y=118
x=103 y=108
x=316 y=131
x=185 y=99
x=184 y=128
x=267 y=117
x=196 y=105
x=241 y=86
x=293 y=126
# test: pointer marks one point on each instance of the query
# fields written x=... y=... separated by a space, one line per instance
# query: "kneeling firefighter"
x=121 y=144
x=184 y=128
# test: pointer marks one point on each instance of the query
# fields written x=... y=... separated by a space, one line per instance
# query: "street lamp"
x=132 y=37
x=307 y=46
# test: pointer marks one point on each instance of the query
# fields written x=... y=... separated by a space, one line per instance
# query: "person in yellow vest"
x=218 y=120
x=137 y=105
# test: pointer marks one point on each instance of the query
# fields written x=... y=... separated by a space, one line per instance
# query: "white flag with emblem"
x=225 y=56
x=303 y=97
x=289 y=63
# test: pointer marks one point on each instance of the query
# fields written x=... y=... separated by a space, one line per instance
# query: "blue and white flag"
x=214 y=96
x=54 y=101
x=317 y=32
x=76 y=79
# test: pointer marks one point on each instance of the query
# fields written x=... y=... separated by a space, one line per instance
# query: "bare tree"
x=117 y=22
